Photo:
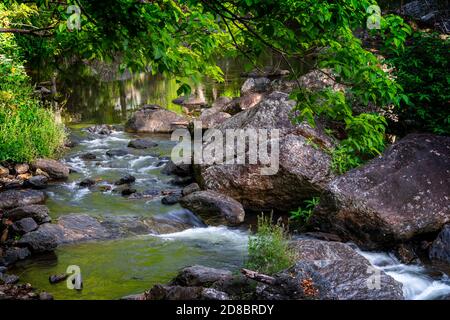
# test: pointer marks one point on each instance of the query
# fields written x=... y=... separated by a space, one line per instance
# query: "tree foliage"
x=185 y=38
x=423 y=69
x=27 y=130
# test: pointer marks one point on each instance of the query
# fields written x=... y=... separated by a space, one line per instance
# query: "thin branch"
x=264 y=41
x=41 y=32
x=258 y=276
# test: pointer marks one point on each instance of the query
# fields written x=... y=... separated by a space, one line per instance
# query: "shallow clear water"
x=113 y=269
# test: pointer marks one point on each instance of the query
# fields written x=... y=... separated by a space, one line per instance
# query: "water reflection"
x=93 y=99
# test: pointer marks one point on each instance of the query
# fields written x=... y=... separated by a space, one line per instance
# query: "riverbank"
x=112 y=237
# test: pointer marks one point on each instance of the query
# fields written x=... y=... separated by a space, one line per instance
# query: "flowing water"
x=419 y=282
x=115 y=268
x=112 y=269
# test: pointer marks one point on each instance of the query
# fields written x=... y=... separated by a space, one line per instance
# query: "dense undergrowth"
x=268 y=249
x=27 y=129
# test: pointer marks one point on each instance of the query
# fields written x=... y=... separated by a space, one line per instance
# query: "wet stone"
x=116 y=153
x=87 y=183
x=128 y=179
x=88 y=156
x=25 y=225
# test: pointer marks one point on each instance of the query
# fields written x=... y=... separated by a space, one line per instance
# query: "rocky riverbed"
x=118 y=208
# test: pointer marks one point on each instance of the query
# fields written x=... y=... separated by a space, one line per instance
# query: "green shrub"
x=268 y=249
x=422 y=69
x=302 y=214
x=27 y=129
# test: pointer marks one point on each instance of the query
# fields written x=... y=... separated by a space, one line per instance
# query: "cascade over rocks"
x=154 y=119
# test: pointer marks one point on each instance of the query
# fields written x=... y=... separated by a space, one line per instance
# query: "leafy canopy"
x=185 y=37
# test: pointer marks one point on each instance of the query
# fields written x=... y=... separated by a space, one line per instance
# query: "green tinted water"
x=112 y=269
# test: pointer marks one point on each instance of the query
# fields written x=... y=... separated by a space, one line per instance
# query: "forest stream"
x=115 y=268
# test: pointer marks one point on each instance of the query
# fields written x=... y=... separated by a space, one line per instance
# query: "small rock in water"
x=214 y=207
x=116 y=153
x=171 y=199
x=142 y=144
x=128 y=179
x=182 y=170
x=88 y=156
x=36 y=182
x=38 y=212
x=12 y=255
x=128 y=192
x=57 y=278
x=103 y=129
x=146 y=194
x=104 y=188
x=87 y=183
x=160 y=163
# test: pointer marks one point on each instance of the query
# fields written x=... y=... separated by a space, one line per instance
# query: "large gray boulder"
x=19 y=198
x=154 y=119
x=402 y=195
x=304 y=166
x=214 y=208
